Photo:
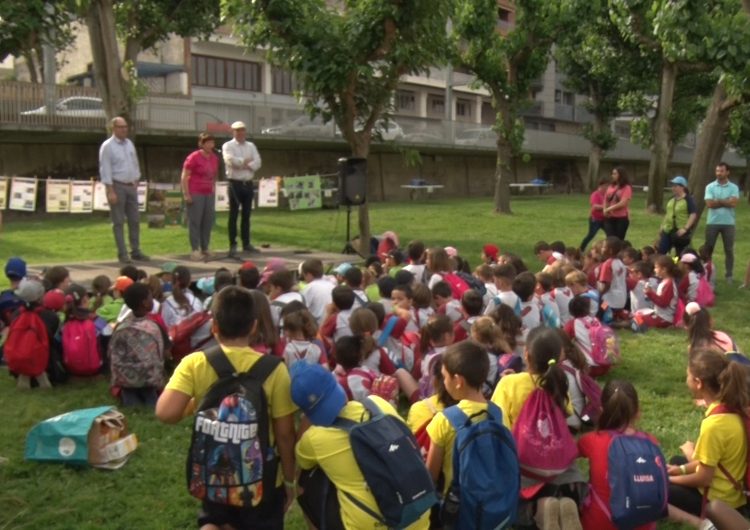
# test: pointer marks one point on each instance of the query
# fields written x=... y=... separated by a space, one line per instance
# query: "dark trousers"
x=125 y=210
x=671 y=239
x=240 y=197
x=616 y=226
x=139 y=397
x=727 y=238
x=685 y=498
x=594 y=227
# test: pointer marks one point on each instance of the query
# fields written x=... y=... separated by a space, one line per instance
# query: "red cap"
x=491 y=251
x=247 y=265
x=54 y=300
x=122 y=283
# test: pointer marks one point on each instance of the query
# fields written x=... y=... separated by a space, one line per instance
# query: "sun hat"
x=238 y=125
x=206 y=285
x=316 y=391
x=680 y=181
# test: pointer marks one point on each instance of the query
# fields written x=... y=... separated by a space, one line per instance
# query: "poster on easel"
x=100 y=197
x=23 y=194
x=3 y=193
x=57 y=195
x=303 y=192
x=142 y=194
x=222 y=196
x=82 y=196
x=268 y=192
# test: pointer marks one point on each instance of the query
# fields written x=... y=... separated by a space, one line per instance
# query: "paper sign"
x=81 y=196
x=268 y=192
x=303 y=192
x=100 y=197
x=23 y=194
x=142 y=193
x=222 y=196
x=58 y=195
x=3 y=193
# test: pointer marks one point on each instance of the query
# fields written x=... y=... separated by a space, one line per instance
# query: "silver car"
x=76 y=106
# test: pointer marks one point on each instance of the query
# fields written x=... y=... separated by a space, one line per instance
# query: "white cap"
x=239 y=125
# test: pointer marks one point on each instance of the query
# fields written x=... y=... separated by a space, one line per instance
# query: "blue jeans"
x=594 y=227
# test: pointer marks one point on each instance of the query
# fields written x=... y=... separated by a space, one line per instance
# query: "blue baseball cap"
x=316 y=391
x=680 y=181
x=15 y=269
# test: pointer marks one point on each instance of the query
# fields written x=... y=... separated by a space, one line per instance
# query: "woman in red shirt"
x=616 y=199
x=596 y=217
x=199 y=174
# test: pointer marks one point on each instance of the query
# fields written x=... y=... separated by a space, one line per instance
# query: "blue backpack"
x=486 y=476
x=390 y=460
x=637 y=477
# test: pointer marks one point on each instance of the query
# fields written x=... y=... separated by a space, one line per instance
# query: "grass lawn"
x=149 y=492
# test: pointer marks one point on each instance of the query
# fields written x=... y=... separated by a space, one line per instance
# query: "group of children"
x=419 y=328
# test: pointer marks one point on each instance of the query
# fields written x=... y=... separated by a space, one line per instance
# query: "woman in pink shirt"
x=616 y=199
x=596 y=217
x=199 y=174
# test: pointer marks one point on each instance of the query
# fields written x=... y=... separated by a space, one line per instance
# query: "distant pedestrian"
x=616 y=200
x=242 y=160
x=721 y=200
x=596 y=216
x=199 y=173
x=120 y=173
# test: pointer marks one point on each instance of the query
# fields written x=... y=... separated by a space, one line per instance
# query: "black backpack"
x=390 y=460
x=231 y=460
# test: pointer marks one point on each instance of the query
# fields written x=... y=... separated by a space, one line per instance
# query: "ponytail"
x=619 y=406
x=181 y=283
x=434 y=330
x=510 y=323
x=543 y=348
x=699 y=329
x=486 y=332
x=572 y=353
x=726 y=379
x=363 y=324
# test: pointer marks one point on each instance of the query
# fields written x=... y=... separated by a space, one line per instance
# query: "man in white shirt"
x=120 y=173
x=242 y=160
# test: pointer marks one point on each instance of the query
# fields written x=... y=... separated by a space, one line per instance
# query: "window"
x=226 y=73
x=463 y=108
x=283 y=82
x=503 y=14
x=406 y=100
x=435 y=105
x=568 y=98
x=558 y=96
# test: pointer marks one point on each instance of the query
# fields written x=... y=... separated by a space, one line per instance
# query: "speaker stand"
x=348 y=248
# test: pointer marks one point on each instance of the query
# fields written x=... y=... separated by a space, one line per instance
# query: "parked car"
x=302 y=126
x=76 y=106
x=424 y=138
x=484 y=136
x=383 y=130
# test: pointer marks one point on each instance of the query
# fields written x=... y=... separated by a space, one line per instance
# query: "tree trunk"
x=504 y=167
x=596 y=153
x=100 y=20
x=657 y=171
x=360 y=146
x=31 y=66
x=710 y=144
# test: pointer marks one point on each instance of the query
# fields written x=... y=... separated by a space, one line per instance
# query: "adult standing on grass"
x=721 y=200
x=242 y=160
x=616 y=199
x=680 y=219
x=119 y=172
x=199 y=173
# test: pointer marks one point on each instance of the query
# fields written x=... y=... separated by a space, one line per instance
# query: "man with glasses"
x=119 y=172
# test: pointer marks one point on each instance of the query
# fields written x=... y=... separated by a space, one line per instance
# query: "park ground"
x=150 y=492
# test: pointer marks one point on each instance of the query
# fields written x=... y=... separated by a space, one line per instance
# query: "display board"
x=303 y=193
x=82 y=196
x=23 y=194
x=57 y=195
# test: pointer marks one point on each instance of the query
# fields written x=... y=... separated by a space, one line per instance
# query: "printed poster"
x=100 y=197
x=222 y=197
x=303 y=192
x=23 y=194
x=3 y=193
x=142 y=193
x=82 y=196
x=58 y=195
x=268 y=192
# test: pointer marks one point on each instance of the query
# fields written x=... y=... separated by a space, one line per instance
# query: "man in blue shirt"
x=119 y=172
x=721 y=200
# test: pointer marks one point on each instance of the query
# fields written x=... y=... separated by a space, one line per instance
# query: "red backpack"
x=181 y=333
x=80 y=346
x=705 y=294
x=26 y=351
x=458 y=284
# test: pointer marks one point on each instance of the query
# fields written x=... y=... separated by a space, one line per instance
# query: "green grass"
x=149 y=492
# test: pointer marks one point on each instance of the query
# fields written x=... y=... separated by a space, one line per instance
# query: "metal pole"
x=49 y=66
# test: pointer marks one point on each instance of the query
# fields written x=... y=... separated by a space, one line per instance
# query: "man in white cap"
x=242 y=160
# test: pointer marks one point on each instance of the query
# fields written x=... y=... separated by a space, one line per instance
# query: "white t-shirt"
x=582 y=338
x=638 y=299
x=173 y=314
x=317 y=295
x=278 y=303
x=417 y=271
x=360 y=299
x=577 y=399
x=453 y=310
x=125 y=311
x=547 y=300
x=490 y=295
x=418 y=319
x=435 y=278
x=563 y=296
x=302 y=350
x=508 y=298
x=531 y=317
x=617 y=294
x=693 y=279
x=342 y=325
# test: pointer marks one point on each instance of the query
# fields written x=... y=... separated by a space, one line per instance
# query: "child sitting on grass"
x=300 y=330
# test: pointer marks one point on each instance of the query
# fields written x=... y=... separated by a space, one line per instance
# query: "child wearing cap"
x=325 y=455
x=112 y=310
x=233 y=322
x=15 y=271
x=489 y=254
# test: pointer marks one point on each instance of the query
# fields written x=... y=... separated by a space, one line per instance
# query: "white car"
x=77 y=106
x=302 y=126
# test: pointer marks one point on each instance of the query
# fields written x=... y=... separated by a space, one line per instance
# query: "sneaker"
x=569 y=519
x=140 y=256
x=730 y=281
x=250 y=248
x=548 y=513
x=43 y=381
x=233 y=251
x=706 y=524
x=207 y=255
x=23 y=382
x=124 y=259
x=196 y=255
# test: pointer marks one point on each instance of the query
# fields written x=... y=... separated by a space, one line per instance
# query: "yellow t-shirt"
x=443 y=435
x=329 y=448
x=722 y=441
x=423 y=411
x=512 y=392
x=194 y=376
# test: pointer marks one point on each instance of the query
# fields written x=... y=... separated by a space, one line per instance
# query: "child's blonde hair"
x=486 y=332
x=576 y=278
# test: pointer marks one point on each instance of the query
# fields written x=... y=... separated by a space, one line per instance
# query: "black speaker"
x=352 y=181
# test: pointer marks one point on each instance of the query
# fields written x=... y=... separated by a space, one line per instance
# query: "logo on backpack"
x=26 y=350
x=230 y=460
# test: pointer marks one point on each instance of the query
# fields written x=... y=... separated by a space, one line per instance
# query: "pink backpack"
x=458 y=284
x=605 y=348
x=80 y=346
x=545 y=446
x=705 y=295
x=591 y=391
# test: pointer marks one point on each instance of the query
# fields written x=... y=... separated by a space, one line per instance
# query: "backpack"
x=545 y=446
x=605 y=348
x=705 y=294
x=389 y=458
x=742 y=485
x=383 y=386
x=473 y=282
x=550 y=316
x=591 y=391
x=458 y=284
x=26 y=350
x=486 y=481
x=181 y=333
x=637 y=477
x=80 y=347
x=136 y=354
x=231 y=460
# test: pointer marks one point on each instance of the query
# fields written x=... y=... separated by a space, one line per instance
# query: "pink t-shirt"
x=203 y=170
x=614 y=195
x=597 y=199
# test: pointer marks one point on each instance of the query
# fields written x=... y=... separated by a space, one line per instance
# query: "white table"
x=415 y=188
x=522 y=186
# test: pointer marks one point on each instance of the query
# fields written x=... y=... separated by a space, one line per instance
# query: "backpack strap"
x=219 y=362
x=456 y=417
x=390 y=325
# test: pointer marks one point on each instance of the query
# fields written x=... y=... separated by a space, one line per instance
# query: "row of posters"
x=86 y=196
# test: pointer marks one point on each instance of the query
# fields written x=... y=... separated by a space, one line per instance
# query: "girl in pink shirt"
x=616 y=199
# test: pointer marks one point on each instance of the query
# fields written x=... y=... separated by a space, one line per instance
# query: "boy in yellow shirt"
x=233 y=322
